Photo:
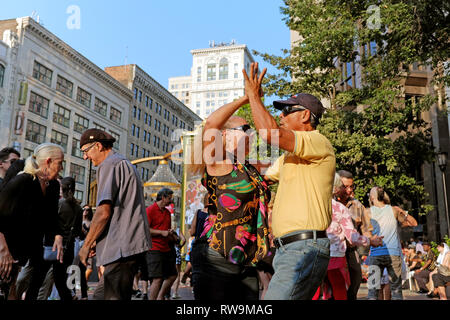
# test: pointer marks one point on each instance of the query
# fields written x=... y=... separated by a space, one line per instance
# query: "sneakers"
x=138 y=294
x=175 y=296
x=422 y=291
x=144 y=296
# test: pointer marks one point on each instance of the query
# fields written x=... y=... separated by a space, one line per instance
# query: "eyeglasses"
x=244 y=128
x=352 y=187
x=85 y=151
x=291 y=109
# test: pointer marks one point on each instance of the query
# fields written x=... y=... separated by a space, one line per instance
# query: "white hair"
x=33 y=164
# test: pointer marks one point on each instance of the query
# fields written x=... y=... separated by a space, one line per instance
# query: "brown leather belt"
x=304 y=235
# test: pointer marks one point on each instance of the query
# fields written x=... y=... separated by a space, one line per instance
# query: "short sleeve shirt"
x=160 y=220
x=305 y=176
x=127 y=231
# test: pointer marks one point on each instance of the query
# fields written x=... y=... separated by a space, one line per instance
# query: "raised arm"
x=266 y=125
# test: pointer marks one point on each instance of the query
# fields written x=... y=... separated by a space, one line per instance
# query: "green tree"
x=377 y=132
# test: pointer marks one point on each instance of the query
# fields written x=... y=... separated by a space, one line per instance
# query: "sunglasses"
x=291 y=109
x=244 y=128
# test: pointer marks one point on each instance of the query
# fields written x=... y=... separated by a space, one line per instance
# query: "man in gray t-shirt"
x=119 y=229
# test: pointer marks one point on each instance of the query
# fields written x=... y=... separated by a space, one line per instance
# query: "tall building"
x=156 y=119
x=216 y=77
x=51 y=93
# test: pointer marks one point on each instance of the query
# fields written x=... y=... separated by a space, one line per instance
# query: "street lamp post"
x=442 y=162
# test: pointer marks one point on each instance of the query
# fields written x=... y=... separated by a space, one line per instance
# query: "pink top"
x=341 y=229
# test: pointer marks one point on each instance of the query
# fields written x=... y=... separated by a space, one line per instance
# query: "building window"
x=60 y=138
x=38 y=105
x=76 y=152
x=139 y=114
x=199 y=74
x=116 y=144
x=78 y=195
x=140 y=96
x=42 y=73
x=64 y=86
x=135 y=93
x=223 y=69
x=115 y=115
x=2 y=75
x=150 y=103
x=211 y=72
x=146 y=101
x=84 y=97
x=97 y=126
x=136 y=150
x=100 y=107
x=35 y=132
x=77 y=172
x=137 y=132
x=80 y=123
x=132 y=149
x=61 y=115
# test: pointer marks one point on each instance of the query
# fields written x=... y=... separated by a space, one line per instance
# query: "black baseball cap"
x=305 y=100
x=95 y=135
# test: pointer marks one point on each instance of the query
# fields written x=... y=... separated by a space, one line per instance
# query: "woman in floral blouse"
x=235 y=235
x=340 y=232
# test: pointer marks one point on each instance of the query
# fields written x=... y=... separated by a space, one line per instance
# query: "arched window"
x=2 y=75
x=223 y=69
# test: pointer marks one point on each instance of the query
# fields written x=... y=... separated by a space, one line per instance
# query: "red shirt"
x=160 y=220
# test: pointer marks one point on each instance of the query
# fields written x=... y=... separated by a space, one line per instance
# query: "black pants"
x=40 y=269
x=354 y=269
x=117 y=280
x=212 y=284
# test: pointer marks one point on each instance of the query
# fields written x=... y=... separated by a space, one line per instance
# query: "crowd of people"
x=247 y=242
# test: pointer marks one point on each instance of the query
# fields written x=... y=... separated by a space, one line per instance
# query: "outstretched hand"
x=254 y=81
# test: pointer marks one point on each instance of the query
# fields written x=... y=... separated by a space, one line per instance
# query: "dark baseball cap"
x=305 y=100
x=95 y=135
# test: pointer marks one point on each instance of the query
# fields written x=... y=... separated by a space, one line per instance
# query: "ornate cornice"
x=29 y=24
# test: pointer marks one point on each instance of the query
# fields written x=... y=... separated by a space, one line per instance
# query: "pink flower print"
x=243 y=234
x=209 y=223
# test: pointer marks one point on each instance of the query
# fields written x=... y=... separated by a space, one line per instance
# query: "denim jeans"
x=393 y=264
x=300 y=268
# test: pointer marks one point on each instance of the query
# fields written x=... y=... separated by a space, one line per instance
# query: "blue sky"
x=159 y=34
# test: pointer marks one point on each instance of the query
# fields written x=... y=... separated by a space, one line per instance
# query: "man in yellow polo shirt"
x=305 y=173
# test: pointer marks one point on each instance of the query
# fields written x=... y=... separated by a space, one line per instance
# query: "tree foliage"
x=377 y=132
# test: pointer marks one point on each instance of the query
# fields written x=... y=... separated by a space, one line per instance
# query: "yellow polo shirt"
x=305 y=176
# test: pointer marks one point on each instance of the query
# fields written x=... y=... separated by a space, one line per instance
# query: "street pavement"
x=185 y=293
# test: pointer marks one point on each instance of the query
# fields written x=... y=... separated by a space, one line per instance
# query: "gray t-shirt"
x=127 y=232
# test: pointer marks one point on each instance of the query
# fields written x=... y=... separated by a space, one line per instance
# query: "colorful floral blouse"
x=237 y=225
x=341 y=229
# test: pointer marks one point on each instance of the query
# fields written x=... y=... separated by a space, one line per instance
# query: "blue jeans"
x=300 y=267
